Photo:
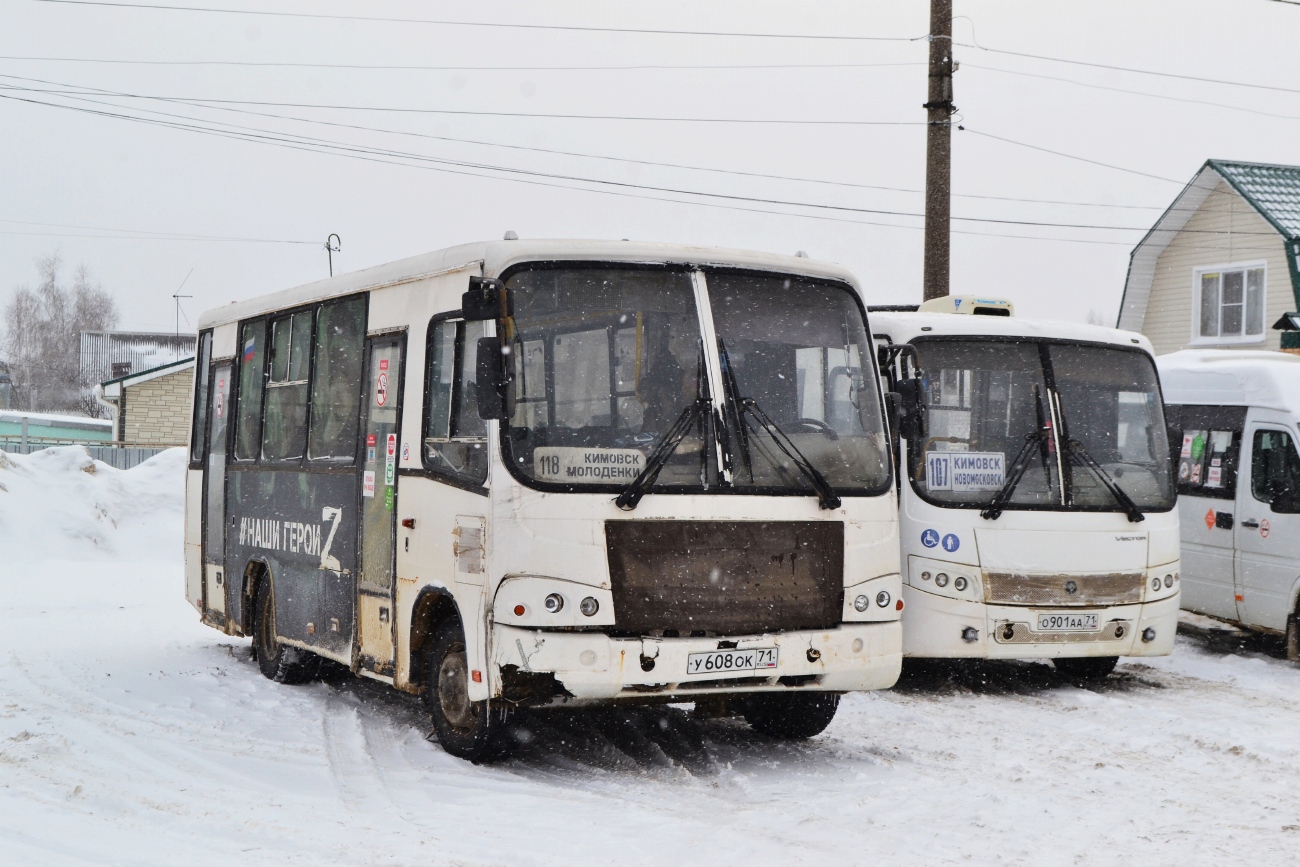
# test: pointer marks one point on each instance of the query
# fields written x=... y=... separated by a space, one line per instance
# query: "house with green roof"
x=1219 y=268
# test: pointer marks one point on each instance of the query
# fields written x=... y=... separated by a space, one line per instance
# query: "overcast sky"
x=143 y=184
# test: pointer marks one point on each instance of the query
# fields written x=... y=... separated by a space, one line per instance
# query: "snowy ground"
x=129 y=734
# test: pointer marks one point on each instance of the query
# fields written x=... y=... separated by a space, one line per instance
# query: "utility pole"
x=938 y=151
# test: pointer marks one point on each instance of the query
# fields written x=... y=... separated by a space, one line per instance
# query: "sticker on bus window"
x=368 y=483
x=567 y=464
x=965 y=472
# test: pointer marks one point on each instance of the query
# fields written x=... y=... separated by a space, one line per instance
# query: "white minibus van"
x=521 y=473
x=1234 y=414
x=1036 y=493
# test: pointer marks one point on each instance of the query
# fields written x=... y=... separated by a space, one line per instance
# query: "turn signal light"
x=519 y=610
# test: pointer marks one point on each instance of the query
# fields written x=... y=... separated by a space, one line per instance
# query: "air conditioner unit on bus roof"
x=968 y=304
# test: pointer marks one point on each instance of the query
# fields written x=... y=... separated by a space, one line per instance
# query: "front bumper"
x=593 y=666
x=935 y=626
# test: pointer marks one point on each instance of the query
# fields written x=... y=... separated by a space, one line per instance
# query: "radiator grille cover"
x=1012 y=588
x=725 y=577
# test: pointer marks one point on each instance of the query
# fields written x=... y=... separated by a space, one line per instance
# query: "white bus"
x=525 y=473
x=1037 y=498
x=1234 y=416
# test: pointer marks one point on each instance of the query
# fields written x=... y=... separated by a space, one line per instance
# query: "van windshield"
x=607 y=359
x=1076 y=416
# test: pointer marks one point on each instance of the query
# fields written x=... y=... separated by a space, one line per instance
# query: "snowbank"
x=61 y=504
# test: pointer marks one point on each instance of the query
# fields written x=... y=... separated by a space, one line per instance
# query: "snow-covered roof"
x=496 y=256
x=1231 y=377
x=905 y=327
x=1272 y=190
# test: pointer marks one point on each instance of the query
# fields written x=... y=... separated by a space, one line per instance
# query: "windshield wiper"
x=735 y=412
x=1121 y=496
x=994 y=509
x=645 y=480
x=826 y=496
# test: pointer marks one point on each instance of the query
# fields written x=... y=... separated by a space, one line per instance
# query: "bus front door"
x=380 y=420
x=214 y=499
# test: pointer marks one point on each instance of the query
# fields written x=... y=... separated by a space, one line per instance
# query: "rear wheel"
x=466 y=729
x=790 y=716
x=1085 y=667
x=279 y=663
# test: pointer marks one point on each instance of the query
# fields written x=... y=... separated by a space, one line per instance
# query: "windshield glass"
x=984 y=400
x=797 y=348
x=604 y=361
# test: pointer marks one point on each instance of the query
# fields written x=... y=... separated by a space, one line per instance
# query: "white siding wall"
x=1223 y=230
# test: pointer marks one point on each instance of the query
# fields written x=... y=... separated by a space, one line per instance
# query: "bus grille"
x=1017 y=588
x=725 y=577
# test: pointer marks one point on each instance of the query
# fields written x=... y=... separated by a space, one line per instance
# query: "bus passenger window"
x=285 y=424
x=455 y=438
x=249 y=412
x=1275 y=471
x=198 y=436
x=336 y=381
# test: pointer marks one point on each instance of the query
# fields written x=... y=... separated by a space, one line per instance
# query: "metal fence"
x=123 y=456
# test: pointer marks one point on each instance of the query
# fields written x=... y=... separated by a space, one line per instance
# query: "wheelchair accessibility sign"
x=931 y=539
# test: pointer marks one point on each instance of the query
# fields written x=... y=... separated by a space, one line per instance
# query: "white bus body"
x=1053 y=570
x=347 y=500
x=1234 y=414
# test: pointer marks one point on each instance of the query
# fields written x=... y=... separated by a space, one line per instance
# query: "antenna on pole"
x=332 y=248
x=177 y=298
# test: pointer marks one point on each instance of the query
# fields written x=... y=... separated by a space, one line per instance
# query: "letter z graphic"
x=327 y=560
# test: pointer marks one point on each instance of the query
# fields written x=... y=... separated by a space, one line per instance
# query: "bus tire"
x=469 y=730
x=788 y=716
x=277 y=662
x=1085 y=667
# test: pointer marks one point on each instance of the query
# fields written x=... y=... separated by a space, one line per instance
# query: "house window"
x=1230 y=304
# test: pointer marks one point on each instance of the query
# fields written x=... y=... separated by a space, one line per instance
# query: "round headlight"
x=925 y=576
x=960 y=583
x=882 y=598
x=1169 y=581
x=554 y=602
x=1155 y=583
x=589 y=606
x=941 y=579
x=862 y=603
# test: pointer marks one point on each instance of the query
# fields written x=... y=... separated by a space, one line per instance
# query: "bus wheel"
x=790 y=717
x=466 y=729
x=279 y=663
x=1085 y=667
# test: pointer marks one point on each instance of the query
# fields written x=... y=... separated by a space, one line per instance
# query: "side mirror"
x=486 y=299
x=909 y=395
x=894 y=414
x=490 y=379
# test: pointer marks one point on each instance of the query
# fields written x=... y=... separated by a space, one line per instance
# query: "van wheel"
x=1085 y=667
x=790 y=717
x=466 y=729
x=279 y=663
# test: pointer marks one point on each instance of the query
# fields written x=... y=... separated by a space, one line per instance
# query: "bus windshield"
x=1072 y=420
x=607 y=360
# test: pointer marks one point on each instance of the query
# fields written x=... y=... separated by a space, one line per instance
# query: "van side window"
x=284 y=426
x=1206 y=443
x=336 y=380
x=252 y=349
x=455 y=438
x=198 y=435
x=1275 y=471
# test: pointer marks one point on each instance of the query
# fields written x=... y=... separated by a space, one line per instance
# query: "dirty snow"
x=129 y=734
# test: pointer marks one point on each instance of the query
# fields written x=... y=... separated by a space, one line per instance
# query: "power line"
x=618 y=184
x=181 y=236
x=424 y=68
x=489 y=24
x=1068 y=156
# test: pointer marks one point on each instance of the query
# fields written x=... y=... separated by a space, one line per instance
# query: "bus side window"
x=336 y=381
x=284 y=425
x=455 y=438
x=198 y=435
x=248 y=432
x=1275 y=471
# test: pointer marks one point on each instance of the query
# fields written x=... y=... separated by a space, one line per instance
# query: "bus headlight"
x=862 y=603
x=941 y=580
x=554 y=602
x=1169 y=580
x=959 y=583
x=589 y=606
x=882 y=598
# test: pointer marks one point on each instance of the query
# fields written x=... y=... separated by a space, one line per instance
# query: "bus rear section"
x=1037 y=500
x=572 y=473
